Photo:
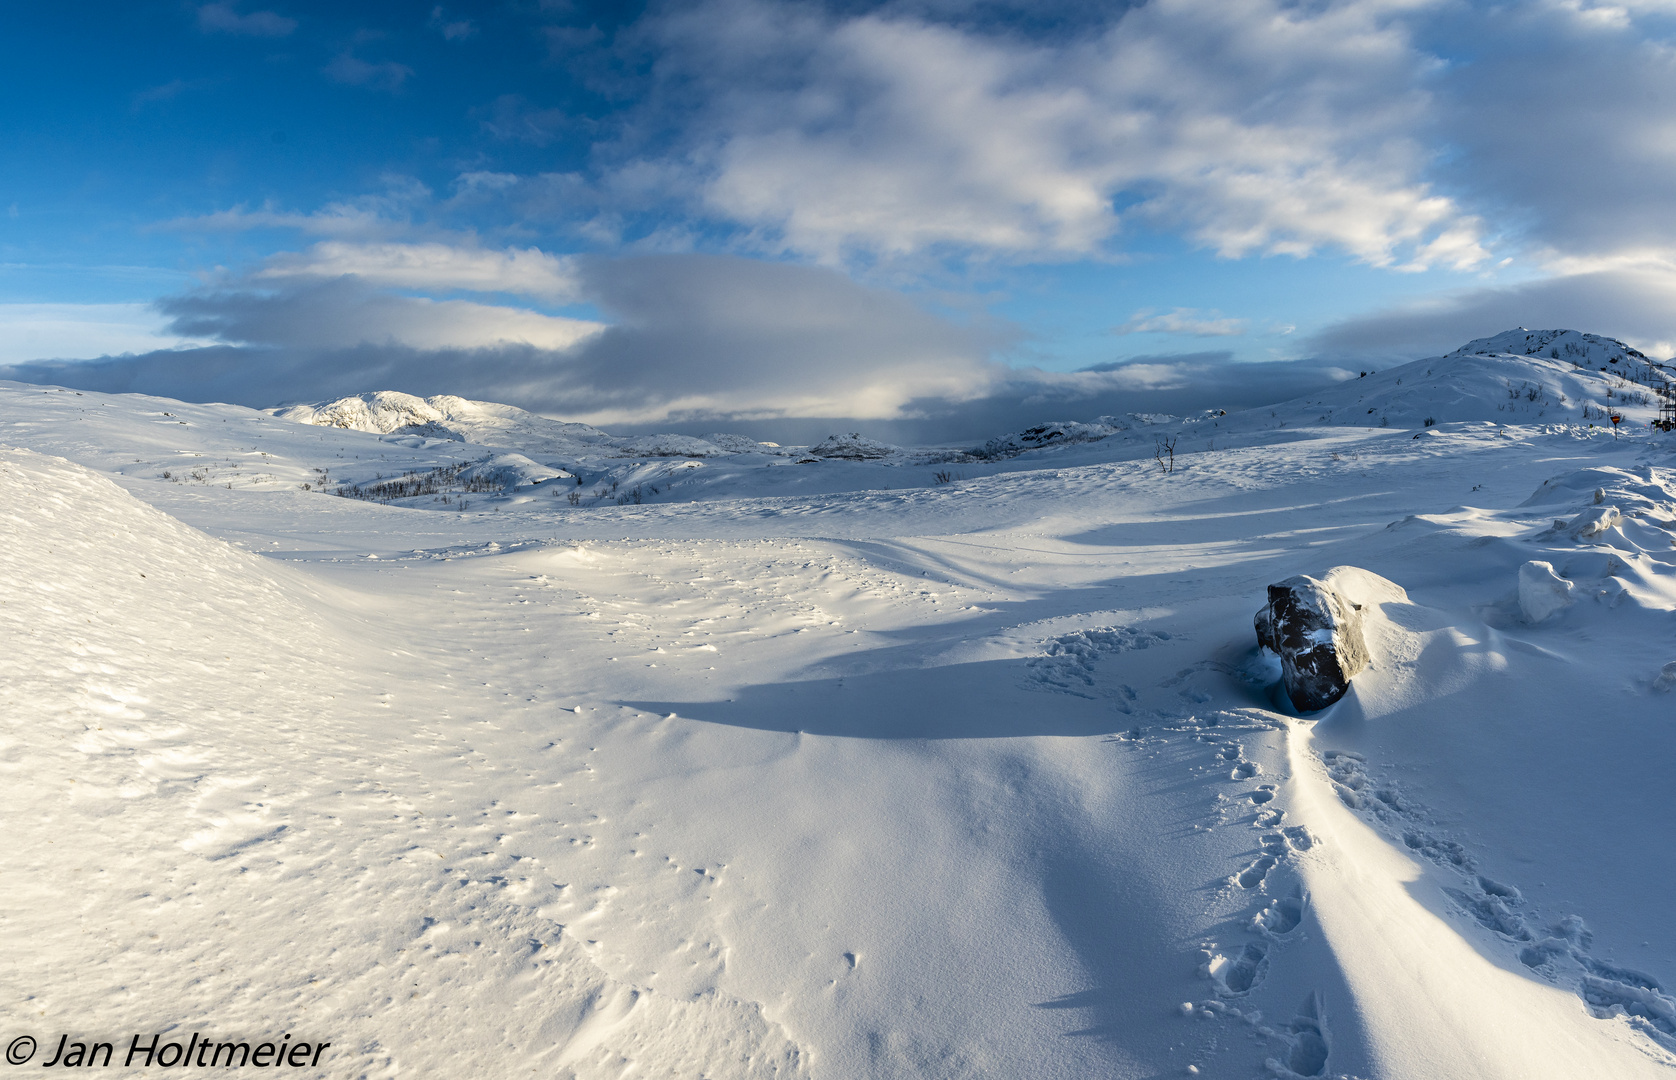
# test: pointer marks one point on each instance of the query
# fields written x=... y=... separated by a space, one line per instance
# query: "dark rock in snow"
x=1317 y=633
x=853 y=447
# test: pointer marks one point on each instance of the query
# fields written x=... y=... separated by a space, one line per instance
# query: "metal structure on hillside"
x=1666 y=420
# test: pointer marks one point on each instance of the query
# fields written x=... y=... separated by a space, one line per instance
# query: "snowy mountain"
x=1517 y=377
x=881 y=762
x=485 y=423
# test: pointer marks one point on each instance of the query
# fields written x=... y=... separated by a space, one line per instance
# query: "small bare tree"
x=1164 y=452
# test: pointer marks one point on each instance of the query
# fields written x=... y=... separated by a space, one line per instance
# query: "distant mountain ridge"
x=1519 y=376
x=488 y=423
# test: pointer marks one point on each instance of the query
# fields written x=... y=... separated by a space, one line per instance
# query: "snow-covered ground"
x=860 y=761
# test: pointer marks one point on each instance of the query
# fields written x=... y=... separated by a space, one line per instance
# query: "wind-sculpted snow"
x=229 y=800
x=920 y=766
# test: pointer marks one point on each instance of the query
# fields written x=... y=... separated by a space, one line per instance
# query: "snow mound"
x=508 y=472
x=1541 y=591
x=853 y=447
x=1643 y=492
x=1613 y=541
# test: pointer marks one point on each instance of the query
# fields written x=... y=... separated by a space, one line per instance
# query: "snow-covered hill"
x=484 y=423
x=875 y=763
x=1518 y=377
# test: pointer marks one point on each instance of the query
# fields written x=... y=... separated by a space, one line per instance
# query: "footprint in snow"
x=1281 y=916
x=1307 y=1044
x=1239 y=973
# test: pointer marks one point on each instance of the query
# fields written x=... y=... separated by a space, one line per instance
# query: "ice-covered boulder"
x=1666 y=678
x=1542 y=591
x=1315 y=626
x=1595 y=521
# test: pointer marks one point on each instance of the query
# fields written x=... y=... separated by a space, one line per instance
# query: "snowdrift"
x=229 y=820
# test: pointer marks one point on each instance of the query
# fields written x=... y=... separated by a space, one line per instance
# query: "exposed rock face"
x=1317 y=632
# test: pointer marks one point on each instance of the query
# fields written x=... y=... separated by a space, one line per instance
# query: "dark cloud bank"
x=697 y=343
x=701 y=343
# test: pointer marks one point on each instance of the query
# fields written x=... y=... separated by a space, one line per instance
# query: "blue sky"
x=759 y=213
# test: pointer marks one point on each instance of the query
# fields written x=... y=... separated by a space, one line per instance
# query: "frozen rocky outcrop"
x=1055 y=433
x=1315 y=626
x=1666 y=678
x=853 y=447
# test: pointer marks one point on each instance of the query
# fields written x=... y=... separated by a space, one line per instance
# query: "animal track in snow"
x=1245 y=770
x=1067 y=666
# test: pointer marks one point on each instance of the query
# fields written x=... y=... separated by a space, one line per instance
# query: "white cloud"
x=1183 y=321
x=226 y=19
x=1564 y=132
x=387 y=75
x=34 y=331
x=381 y=214
x=339 y=314
x=1256 y=127
x=527 y=272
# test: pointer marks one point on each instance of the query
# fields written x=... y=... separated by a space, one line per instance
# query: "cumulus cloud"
x=1259 y=127
x=1636 y=305
x=1183 y=321
x=526 y=272
x=1563 y=131
x=224 y=18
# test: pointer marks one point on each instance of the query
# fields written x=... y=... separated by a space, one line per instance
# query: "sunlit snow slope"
x=896 y=766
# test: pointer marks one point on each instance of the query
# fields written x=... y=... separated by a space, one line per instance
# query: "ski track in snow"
x=975 y=779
